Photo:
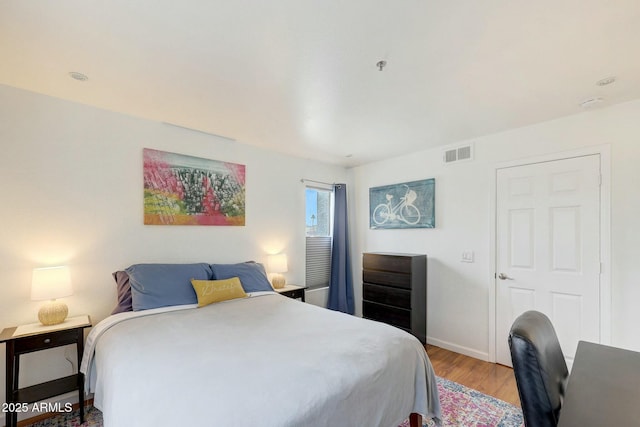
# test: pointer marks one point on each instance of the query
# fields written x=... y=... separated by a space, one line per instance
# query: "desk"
x=604 y=388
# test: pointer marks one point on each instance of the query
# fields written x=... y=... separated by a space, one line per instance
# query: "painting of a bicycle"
x=405 y=205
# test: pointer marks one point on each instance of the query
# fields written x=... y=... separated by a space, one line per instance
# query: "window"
x=318 y=225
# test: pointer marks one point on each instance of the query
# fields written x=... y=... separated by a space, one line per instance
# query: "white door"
x=548 y=249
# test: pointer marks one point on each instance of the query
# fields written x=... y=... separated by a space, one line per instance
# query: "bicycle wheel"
x=381 y=214
x=410 y=214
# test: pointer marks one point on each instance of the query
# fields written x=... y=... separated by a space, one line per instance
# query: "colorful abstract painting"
x=187 y=190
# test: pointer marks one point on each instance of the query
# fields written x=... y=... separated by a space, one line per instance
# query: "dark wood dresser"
x=394 y=291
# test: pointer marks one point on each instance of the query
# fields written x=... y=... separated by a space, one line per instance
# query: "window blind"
x=318 y=262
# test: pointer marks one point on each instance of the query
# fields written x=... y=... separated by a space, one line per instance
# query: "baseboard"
x=459 y=349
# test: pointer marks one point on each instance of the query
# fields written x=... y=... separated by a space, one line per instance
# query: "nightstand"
x=36 y=337
x=292 y=291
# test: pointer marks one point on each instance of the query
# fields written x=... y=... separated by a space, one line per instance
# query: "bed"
x=263 y=359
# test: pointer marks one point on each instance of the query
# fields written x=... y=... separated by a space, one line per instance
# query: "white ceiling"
x=300 y=76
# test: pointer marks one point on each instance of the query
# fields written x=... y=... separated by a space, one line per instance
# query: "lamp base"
x=52 y=313
x=278 y=281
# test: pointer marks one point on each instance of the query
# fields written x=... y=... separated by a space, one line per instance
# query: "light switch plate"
x=467 y=256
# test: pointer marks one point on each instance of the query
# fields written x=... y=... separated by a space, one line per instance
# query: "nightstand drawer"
x=46 y=340
x=292 y=291
x=387 y=295
x=295 y=294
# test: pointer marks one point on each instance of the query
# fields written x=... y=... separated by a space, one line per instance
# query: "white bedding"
x=266 y=360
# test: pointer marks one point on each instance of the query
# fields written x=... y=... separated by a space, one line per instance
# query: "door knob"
x=503 y=276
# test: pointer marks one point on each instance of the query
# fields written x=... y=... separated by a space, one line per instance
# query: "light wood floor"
x=489 y=378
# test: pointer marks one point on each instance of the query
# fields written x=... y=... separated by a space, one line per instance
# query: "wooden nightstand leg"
x=11 y=381
x=80 y=349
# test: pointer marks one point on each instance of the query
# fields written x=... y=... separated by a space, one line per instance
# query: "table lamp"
x=48 y=284
x=277 y=264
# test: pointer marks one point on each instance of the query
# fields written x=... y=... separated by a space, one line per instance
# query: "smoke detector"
x=78 y=76
x=606 y=81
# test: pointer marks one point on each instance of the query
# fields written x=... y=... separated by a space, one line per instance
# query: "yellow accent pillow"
x=210 y=291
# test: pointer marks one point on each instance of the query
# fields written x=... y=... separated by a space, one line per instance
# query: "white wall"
x=71 y=181
x=458 y=293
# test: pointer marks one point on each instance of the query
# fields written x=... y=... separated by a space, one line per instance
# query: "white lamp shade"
x=277 y=263
x=51 y=283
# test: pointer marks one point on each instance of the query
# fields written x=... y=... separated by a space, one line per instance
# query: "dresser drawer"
x=392 y=263
x=398 y=280
x=384 y=313
x=47 y=340
x=386 y=295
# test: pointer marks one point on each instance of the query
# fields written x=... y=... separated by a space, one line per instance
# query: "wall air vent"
x=458 y=154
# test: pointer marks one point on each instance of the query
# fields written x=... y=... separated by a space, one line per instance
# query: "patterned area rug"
x=465 y=407
x=461 y=406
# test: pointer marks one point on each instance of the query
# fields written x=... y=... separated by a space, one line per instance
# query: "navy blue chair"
x=539 y=367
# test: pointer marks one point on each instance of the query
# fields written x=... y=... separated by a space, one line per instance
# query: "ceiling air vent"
x=458 y=154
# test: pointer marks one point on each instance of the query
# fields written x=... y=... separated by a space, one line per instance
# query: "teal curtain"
x=341 y=284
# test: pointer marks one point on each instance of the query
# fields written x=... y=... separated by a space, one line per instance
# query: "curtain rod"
x=332 y=184
x=317 y=182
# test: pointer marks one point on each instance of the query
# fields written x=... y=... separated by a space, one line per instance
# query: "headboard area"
x=147 y=286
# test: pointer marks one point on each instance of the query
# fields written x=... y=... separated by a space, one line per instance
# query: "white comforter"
x=266 y=360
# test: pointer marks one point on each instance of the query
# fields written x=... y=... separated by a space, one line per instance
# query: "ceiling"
x=300 y=76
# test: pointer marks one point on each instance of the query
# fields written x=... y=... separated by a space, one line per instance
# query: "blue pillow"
x=252 y=275
x=163 y=285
